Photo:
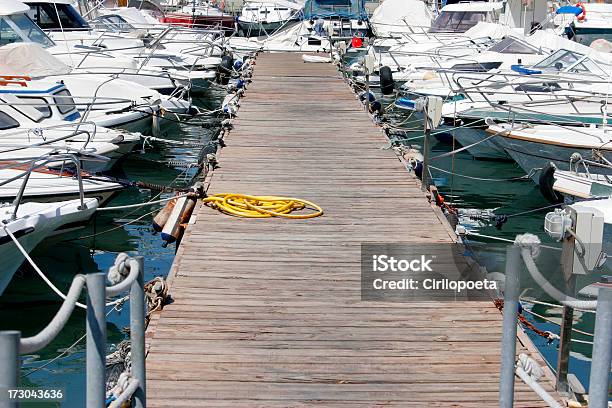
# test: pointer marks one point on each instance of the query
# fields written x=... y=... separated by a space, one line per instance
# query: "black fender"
x=546 y=182
x=387 y=84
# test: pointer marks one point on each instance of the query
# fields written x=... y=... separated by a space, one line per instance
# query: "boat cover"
x=396 y=16
x=29 y=59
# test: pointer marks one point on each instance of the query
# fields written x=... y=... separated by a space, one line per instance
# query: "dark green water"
x=28 y=305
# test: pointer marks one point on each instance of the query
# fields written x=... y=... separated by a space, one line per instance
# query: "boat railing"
x=33 y=165
x=501 y=83
x=89 y=134
x=582 y=131
x=12 y=344
x=522 y=255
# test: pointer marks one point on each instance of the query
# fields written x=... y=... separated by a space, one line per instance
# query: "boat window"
x=281 y=9
x=477 y=66
x=6 y=122
x=63 y=100
x=589 y=66
x=114 y=23
x=457 y=21
x=546 y=87
x=19 y=28
x=252 y=8
x=510 y=45
x=559 y=60
x=40 y=104
x=56 y=16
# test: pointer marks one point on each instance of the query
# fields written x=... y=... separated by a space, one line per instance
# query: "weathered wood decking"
x=267 y=313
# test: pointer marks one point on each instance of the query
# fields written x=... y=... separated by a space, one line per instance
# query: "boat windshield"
x=511 y=45
x=457 y=21
x=112 y=22
x=570 y=61
x=19 y=28
x=53 y=16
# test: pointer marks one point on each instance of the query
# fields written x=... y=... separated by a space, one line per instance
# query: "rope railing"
x=128 y=277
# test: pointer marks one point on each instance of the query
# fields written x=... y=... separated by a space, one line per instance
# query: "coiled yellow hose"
x=243 y=205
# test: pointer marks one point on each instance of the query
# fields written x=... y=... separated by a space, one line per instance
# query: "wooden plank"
x=268 y=313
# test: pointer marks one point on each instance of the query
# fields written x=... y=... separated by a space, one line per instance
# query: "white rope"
x=529 y=371
x=44 y=277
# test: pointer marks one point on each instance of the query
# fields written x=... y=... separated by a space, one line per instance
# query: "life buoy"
x=582 y=15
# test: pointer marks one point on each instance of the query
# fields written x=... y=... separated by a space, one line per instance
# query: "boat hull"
x=533 y=156
x=480 y=148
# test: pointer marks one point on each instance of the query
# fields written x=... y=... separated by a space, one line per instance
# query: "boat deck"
x=267 y=312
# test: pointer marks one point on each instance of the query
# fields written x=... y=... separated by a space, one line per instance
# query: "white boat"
x=294 y=37
x=18 y=27
x=265 y=17
x=533 y=147
x=49 y=185
x=105 y=100
x=394 y=17
x=34 y=222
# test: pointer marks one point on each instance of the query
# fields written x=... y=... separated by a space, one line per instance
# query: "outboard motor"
x=387 y=84
x=546 y=183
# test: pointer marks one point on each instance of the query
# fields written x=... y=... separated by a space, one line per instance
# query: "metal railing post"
x=96 y=340
x=9 y=365
x=599 y=380
x=137 y=336
x=508 y=346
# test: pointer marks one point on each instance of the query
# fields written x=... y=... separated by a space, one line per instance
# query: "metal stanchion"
x=9 y=366
x=137 y=338
x=96 y=340
x=599 y=381
x=508 y=347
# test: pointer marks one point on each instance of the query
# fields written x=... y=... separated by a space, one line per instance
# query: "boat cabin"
x=56 y=15
x=460 y=17
x=25 y=101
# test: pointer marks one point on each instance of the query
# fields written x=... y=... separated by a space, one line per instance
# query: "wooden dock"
x=267 y=312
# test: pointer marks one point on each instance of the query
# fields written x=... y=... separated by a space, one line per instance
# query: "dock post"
x=599 y=380
x=96 y=340
x=567 y=318
x=137 y=338
x=565 y=346
x=426 y=132
x=9 y=366
x=508 y=347
x=367 y=92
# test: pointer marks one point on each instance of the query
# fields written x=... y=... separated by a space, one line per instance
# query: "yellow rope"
x=243 y=205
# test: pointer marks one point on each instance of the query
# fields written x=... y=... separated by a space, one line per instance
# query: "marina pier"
x=268 y=312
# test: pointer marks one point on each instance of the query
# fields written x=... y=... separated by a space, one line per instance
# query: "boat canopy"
x=393 y=16
x=10 y=7
x=460 y=17
x=349 y=9
x=30 y=59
